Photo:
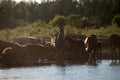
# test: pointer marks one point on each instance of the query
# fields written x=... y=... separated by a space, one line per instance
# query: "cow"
x=91 y=47
x=15 y=55
x=4 y=44
x=99 y=50
x=76 y=47
x=50 y=43
x=18 y=55
x=40 y=52
x=27 y=41
x=115 y=43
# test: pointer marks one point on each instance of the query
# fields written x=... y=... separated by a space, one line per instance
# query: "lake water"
x=102 y=71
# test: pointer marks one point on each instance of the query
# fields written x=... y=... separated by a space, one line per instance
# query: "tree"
x=30 y=14
x=20 y=10
x=6 y=10
x=100 y=12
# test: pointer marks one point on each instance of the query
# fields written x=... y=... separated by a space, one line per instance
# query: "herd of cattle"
x=23 y=50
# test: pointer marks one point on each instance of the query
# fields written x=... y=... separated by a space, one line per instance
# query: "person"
x=59 y=37
x=59 y=44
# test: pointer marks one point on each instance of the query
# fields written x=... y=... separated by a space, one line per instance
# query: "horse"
x=91 y=47
x=115 y=43
x=76 y=47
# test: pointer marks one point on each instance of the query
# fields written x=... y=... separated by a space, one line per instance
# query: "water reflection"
x=102 y=71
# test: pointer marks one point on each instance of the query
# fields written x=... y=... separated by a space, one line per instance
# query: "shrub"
x=116 y=20
x=59 y=21
x=74 y=20
x=85 y=22
x=39 y=23
x=21 y=22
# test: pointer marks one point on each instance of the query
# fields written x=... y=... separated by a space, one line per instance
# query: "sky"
x=28 y=0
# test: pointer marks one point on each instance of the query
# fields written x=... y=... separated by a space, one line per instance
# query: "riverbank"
x=40 y=30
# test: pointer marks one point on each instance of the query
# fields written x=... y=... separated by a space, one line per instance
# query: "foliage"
x=43 y=30
x=99 y=12
x=85 y=22
x=21 y=23
x=103 y=32
x=59 y=21
x=6 y=13
x=116 y=20
x=74 y=20
x=33 y=30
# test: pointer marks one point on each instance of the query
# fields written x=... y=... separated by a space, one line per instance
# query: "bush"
x=116 y=20
x=21 y=22
x=39 y=23
x=59 y=21
x=74 y=20
x=85 y=22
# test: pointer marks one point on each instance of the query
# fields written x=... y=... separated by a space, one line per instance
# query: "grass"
x=103 y=32
x=27 y=31
x=43 y=30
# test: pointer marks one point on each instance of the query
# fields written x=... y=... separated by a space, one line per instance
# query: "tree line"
x=99 y=12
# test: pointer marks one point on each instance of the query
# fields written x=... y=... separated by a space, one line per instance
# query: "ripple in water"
x=102 y=71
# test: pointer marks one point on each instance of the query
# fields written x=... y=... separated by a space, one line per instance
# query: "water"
x=102 y=71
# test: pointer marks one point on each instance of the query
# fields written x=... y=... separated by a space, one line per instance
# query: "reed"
x=44 y=30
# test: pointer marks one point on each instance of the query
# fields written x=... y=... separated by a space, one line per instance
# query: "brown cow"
x=91 y=46
x=16 y=55
x=115 y=43
x=76 y=47
x=4 y=44
x=27 y=41
x=20 y=55
x=40 y=51
x=99 y=50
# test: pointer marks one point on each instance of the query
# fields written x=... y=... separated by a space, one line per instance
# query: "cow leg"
x=115 y=54
x=94 y=57
x=60 y=56
x=112 y=52
x=119 y=55
x=99 y=52
x=90 y=57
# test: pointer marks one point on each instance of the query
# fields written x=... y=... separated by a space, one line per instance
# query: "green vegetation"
x=80 y=17
x=116 y=20
x=103 y=32
x=93 y=12
x=34 y=30
x=74 y=20
x=59 y=21
x=42 y=30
